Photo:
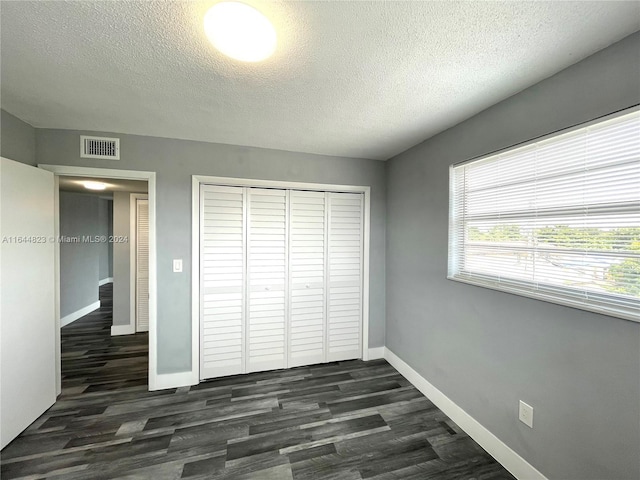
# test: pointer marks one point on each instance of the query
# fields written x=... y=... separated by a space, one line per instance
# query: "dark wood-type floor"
x=345 y=420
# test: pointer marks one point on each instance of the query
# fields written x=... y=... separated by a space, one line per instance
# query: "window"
x=557 y=219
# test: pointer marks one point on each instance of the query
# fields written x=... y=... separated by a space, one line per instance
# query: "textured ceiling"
x=359 y=79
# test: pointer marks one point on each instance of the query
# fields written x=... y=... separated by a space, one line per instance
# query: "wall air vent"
x=100 y=147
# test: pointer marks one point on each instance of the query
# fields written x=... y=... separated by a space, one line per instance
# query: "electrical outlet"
x=526 y=414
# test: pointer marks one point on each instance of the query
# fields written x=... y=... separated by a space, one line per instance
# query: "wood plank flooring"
x=345 y=420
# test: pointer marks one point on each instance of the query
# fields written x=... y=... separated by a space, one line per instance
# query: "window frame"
x=554 y=294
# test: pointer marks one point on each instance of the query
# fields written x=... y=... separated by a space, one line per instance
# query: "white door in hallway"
x=142 y=265
x=27 y=308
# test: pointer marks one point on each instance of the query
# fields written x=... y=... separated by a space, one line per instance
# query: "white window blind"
x=557 y=219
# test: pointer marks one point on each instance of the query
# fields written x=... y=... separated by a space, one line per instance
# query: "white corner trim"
x=174 y=380
x=104 y=281
x=376 y=353
x=122 y=330
x=72 y=317
x=508 y=458
x=56 y=269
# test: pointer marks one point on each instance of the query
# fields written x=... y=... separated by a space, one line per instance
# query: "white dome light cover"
x=240 y=31
x=94 y=185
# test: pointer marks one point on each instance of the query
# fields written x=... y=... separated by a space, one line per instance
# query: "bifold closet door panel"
x=267 y=279
x=346 y=223
x=307 y=267
x=222 y=303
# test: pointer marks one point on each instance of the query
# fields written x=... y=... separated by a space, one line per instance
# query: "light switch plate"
x=177 y=265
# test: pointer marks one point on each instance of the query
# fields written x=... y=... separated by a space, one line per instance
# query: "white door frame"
x=133 y=258
x=150 y=177
x=197 y=180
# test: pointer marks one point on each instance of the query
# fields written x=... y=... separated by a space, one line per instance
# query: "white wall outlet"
x=177 y=265
x=526 y=414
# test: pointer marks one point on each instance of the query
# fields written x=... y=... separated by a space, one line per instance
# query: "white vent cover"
x=99 y=147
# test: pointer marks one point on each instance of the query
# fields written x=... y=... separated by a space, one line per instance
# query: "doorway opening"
x=118 y=250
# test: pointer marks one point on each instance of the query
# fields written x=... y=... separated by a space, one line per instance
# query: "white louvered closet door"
x=267 y=279
x=142 y=265
x=345 y=232
x=307 y=243
x=222 y=280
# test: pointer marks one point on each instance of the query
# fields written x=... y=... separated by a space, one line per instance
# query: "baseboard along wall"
x=122 y=330
x=72 y=317
x=376 y=353
x=173 y=380
x=499 y=450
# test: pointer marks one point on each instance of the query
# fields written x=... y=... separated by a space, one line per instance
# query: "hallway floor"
x=344 y=420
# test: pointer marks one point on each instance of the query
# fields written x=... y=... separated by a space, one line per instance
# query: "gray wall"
x=175 y=161
x=17 y=139
x=79 y=262
x=121 y=260
x=486 y=349
x=104 y=230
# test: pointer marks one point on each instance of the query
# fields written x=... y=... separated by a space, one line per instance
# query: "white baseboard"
x=72 y=317
x=172 y=380
x=376 y=353
x=508 y=458
x=122 y=330
x=104 y=281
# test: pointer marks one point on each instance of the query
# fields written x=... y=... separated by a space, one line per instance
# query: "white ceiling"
x=359 y=79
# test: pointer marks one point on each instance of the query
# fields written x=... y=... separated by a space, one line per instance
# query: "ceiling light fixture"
x=240 y=31
x=94 y=185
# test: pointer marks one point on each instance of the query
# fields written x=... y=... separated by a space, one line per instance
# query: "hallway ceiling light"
x=240 y=31
x=94 y=185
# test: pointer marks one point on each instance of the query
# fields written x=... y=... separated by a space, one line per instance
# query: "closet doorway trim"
x=197 y=180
